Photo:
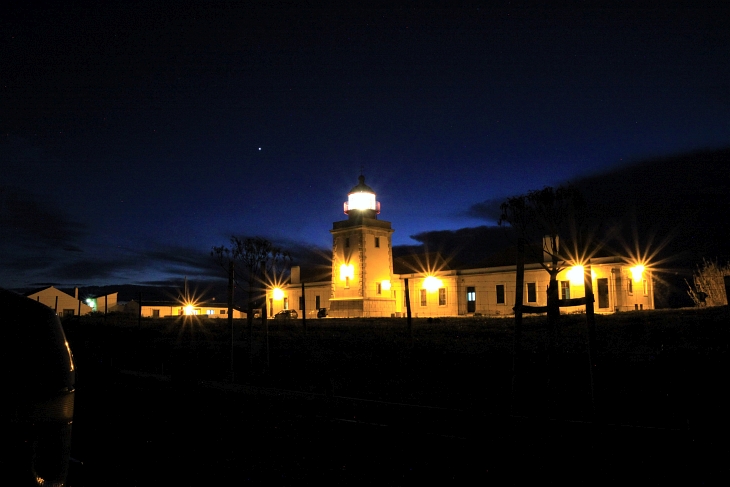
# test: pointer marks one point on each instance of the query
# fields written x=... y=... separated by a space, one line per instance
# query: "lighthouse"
x=362 y=259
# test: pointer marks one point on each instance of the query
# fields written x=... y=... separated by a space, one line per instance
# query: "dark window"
x=316 y=302
x=442 y=296
x=155 y=313
x=531 y=292
x=224 y=311
x=423 y=297
x=68 y=312
x=500 y=293
x=347 y=242
x=377 y=243
x=301 y=302
x=631 y=286
x=286 y=303
x=378 y=288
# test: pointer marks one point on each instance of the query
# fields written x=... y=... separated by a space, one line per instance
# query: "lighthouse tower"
x=362 y=259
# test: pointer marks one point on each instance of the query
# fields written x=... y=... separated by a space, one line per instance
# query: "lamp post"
x=231 y=267
x=304 y=310
x=264 y=321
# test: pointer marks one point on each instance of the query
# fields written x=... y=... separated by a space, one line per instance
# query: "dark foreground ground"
x=354 y=402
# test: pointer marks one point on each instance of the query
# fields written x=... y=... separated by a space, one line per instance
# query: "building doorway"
x=602 y=285
x=471 y=300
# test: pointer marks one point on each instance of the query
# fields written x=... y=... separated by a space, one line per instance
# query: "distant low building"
x=366 y=282
x=62 y=303
x=166 y=309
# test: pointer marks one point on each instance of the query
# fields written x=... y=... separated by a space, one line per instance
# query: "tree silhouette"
x=543 y=215
x=252 y=263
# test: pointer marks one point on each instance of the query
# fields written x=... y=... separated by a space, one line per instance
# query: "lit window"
x=210 y=311
x=286 y=303
x=531 y=292
x=565 y=289
x=500 y=293
x=423 y=297
x=442 y=296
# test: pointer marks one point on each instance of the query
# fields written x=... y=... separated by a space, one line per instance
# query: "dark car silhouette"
x=40 y=380
x=286 y=314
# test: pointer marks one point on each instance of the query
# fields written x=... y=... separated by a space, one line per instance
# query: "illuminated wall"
x=66 y=303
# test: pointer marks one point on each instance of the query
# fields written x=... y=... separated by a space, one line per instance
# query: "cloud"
x=34 y=237
x=29 y=223
x=683 y=198
x=465 y=247
x=487 y=210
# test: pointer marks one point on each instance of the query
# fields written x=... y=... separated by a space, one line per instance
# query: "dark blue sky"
x=137 y=135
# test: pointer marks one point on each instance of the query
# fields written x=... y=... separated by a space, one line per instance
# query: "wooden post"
x=266 y=332
x=139 y=313
x=304 y=310
x=553 y=316
x=519 y=300
x=591 y=323
x=408 y=312
x=231 y=270
x=79 y=312
x=249 y=321
x=55 y=306
x=264 y=320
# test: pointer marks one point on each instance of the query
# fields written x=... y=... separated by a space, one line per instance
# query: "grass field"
x=653 y=368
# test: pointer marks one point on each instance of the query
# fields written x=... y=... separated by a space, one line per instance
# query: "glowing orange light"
x=431 y=284
x=385 y=285
x=575 y=274
x=189 y=309
x=637 y=272
x=347 y=270
x=278 y=294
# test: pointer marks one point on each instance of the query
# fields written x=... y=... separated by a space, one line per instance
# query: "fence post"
x=304 y=310
x=591 y=323
x=519 y=300
x=408 y=312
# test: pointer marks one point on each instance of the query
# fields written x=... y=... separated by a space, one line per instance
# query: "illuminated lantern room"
x=361 y=201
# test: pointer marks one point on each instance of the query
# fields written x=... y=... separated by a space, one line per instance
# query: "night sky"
x=135 y=137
